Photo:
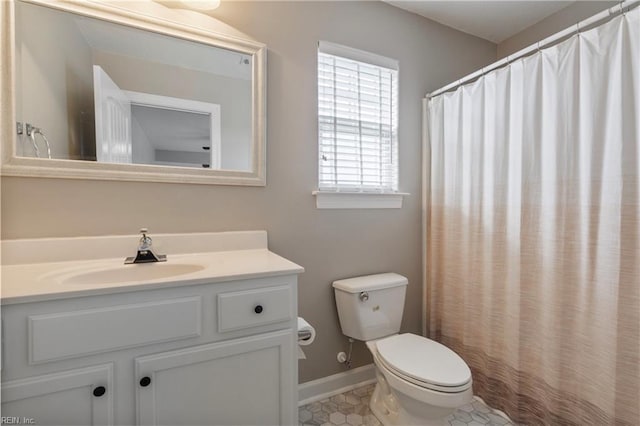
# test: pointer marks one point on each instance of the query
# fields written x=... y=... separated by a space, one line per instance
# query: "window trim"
x=359 y=200
x=357 y=55
x=343 y=198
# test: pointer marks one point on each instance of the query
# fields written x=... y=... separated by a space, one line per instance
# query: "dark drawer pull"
x=99 y=391
x=145 y=381
x=258 y=309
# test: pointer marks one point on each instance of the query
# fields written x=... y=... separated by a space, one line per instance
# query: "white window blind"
x=357 y=120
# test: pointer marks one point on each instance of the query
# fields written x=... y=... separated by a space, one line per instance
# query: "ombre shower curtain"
x=533 y=229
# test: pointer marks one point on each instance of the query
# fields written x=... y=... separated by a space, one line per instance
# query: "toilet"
x=419 y=381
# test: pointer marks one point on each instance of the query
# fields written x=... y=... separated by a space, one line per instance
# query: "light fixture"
x=201 y=4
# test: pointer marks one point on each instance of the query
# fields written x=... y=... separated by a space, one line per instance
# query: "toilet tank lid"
x=370 y=282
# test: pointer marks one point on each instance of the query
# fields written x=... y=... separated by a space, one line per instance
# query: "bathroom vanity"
x=209 y=337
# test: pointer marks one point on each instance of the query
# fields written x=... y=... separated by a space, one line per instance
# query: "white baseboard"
x=326 y=387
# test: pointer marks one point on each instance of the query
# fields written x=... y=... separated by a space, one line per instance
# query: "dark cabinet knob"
x=145 y=381
x=99 y=391
x=258 y=309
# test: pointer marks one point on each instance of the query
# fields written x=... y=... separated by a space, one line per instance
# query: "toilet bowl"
x=419 y=381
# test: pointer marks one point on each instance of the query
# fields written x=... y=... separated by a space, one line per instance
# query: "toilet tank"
x=371 y=306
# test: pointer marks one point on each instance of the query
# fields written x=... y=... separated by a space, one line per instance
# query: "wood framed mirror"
x=129 y=91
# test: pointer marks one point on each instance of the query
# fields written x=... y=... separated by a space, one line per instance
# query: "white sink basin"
x=127 y=273
x=54 y=268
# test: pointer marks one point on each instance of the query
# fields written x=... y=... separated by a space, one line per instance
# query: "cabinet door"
x=76 y=397
x=246 y=381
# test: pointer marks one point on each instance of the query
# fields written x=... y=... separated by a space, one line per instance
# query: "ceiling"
x=163 y=49
x=495 y=21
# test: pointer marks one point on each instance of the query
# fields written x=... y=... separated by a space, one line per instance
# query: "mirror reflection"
x=93 y=90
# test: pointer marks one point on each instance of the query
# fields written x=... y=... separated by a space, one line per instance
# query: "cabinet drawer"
x=252 y=308
x=77 y=333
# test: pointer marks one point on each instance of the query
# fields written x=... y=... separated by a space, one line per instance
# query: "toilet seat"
x=424 y=363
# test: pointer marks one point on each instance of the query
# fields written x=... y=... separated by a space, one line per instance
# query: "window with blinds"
x=357 y=120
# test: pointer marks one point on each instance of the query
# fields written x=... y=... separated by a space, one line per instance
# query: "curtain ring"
x=622 y=12
x=538 y=46
x=578 y=28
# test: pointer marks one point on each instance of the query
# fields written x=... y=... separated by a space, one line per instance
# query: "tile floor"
x=352 y=409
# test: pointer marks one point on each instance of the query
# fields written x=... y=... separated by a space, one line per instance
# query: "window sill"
x=358 y=200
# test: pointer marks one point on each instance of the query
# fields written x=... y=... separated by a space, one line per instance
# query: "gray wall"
x=142 y=151
x=560 y=20
x=55 y=80
x=330 y=244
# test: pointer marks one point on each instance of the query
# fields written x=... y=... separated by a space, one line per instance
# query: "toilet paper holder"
x=304 y=335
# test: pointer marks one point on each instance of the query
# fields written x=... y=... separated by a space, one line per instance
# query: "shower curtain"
x=533 y=229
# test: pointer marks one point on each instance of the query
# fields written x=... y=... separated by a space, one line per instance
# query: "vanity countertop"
x=48 y=280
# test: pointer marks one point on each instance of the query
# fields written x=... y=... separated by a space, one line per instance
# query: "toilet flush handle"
x=364 y=296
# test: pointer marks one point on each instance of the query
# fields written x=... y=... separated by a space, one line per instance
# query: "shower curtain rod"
x=622 y=7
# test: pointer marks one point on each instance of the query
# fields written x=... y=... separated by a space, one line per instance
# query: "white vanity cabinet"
x=210 y=354
x=236 y=382
x=73 y=397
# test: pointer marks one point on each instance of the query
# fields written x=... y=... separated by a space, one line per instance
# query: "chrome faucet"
x=145 y=253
